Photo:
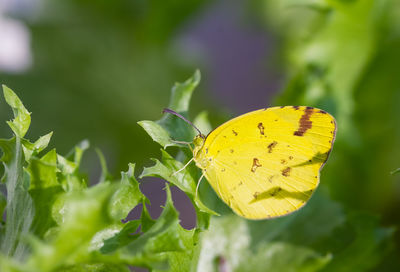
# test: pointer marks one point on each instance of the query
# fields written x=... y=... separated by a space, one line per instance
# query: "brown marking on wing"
x=231 y=150
x=283 y=161
x=256 y=194
x=223 y=170
x=234 y=132
x=256 y=164
x=290 y=157
x=270 y=178
x=304 y=122
x=274 y=192
x=296 y=107
x=261 y=128
x=286 y=171
x=322 y=111
x=272 y=146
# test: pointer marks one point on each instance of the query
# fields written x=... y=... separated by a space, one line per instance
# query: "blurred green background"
x=91 y=69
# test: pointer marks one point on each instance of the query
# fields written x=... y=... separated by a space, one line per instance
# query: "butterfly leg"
x=186 y=165
x=198 y=183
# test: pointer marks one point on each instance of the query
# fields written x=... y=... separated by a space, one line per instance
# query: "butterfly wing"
x=266 y=163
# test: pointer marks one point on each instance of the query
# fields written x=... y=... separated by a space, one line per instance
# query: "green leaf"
x=183 y=260
x=105 y=175
x=165 y=235
x=182 y=93
x=127 y=196
x=157 y=133
x=123 y=237
x=145 y=218
x=99 y=267
x=19 y=209
x=70 y=177
x=170 y=127
x=81 y=215
x=203 y=123
x=168 y=170
x=44 y=188
x=36 y=147
x=22 y=120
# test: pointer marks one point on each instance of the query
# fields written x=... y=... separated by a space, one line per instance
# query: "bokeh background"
x=91 y=69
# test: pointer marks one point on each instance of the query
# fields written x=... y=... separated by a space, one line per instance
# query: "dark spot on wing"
x=290 y=157
x=296 y=107
x=223 y=170
x=261 y=128
x=275 y=191
x=256 y=194
x=206 y=150
x=270 y=178
x=322 y=111
x=283 y=161
x=231 y=150
x=282 y=107
x=234 y=132
x=286 y=171
x=276 y=120
x=272 y=146
x=256 y=164
x=304 y=122
x=240 y=183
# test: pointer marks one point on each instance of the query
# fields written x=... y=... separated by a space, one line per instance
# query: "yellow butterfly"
x=266 y=163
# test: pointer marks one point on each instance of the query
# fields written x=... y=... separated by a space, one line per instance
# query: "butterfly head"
x=199 y=154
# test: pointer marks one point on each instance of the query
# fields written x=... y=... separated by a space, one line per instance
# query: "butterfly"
x=266 y=163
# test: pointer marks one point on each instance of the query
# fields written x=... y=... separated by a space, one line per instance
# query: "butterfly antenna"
x=198 y=183
x=183 y=118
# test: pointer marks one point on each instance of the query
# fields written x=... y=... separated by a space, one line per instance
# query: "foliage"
x=341 y=56
x=56 y=222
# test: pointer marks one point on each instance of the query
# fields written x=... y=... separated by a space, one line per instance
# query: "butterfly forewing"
x=266 y=163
